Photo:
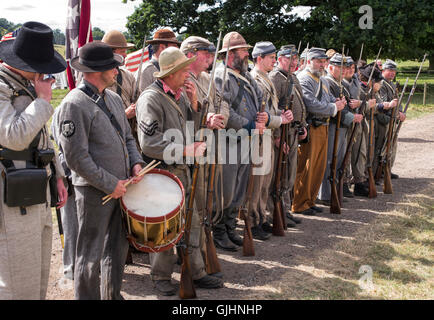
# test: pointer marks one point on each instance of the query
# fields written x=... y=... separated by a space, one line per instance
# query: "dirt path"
x=309 y=260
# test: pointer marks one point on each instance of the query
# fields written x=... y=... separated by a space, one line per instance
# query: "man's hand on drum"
x=119 y=190
x=135 y=171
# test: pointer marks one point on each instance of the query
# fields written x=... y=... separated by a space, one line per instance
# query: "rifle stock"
x=248 y=247
x=372 y=188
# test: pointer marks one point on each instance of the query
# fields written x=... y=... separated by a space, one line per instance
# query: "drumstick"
x=141 y=173
x=143 y=169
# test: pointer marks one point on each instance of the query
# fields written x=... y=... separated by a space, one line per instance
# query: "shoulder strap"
x=119 y=81
x=99 y=101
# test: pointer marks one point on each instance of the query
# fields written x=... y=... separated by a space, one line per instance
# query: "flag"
x=78 y=33
x=132 y=61
x=9 y=36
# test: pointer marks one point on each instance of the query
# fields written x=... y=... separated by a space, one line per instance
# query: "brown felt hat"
x=236 y=42
x=116 y=40
x=171 y=60
x=162 y=36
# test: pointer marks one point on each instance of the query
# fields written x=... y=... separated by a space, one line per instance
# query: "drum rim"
x=167 y=216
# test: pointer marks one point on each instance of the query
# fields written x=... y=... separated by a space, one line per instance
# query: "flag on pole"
x=78 y=33
x=132 y=61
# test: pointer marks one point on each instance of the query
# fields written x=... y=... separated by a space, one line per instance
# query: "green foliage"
x=97 y=33
x=403 y=28
x=7 y=26
x=59 y=37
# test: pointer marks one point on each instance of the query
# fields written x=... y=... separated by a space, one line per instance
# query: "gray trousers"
x=70 y=231
x=102 y=246
x=235 y=179
x=325 y=189
x=162 y=263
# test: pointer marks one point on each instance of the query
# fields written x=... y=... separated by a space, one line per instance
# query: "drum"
x=153 y=211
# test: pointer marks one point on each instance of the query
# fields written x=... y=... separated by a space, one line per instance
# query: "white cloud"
x=105 y=14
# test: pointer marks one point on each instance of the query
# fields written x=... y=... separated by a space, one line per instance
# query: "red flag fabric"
x=78 y=33
x=132 y=61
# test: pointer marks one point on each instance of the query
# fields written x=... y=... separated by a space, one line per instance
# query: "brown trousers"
x=312 y=160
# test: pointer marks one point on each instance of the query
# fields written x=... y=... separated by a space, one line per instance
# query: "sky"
x=105 y=14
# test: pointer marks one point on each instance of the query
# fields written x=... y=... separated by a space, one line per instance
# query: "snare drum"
x=153 y=211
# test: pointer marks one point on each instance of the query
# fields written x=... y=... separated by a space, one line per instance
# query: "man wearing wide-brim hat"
x=245 y=99
x=25 y=215
x=320 y=106
x=167 y=104
x=388 y=93
x=163 y=38
x=101 y=152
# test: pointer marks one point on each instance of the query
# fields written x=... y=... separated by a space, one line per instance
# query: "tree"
x=7 y=26
x=97 y=33
x=403 y=28
x=59 y=37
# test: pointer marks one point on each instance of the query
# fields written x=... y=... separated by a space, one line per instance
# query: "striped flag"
x=9 y=36
x=78 y=33
x=132 y=61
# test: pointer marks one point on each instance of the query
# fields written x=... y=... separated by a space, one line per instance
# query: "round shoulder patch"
x=68 y=128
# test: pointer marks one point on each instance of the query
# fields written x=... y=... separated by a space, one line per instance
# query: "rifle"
x=211 y=261
x=279 y=218
x=387 y=187
x=335 y=206
x=361 y=52
x=139 y=71
x=395 y=137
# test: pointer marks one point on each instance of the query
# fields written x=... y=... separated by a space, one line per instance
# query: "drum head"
x=158 y=194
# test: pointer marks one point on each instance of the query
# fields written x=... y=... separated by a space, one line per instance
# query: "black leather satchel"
x=25 y=187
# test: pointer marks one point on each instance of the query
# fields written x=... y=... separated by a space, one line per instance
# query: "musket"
x=298 y=50
x=279 y=216
x=351 y=141
x=395 y=137
x=361 y=53
x=335 y=206
x=211 y=261
x=371 y=179
x=387 y=186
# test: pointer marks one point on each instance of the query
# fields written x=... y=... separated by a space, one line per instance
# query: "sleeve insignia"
x=148 y=127
x=68 y=128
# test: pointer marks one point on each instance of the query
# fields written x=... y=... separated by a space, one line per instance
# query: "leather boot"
x=231 y=224
x=347 y=191
x=361 y=190
x=222 y=241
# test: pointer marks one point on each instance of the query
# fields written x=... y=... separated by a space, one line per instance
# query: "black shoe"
x=258 y=234
x=291 y=217
x=165 y=287
x=317 y=209
x=235 y=238
x=224 y=243
x=267 y=228
x=361 y=190
x=129 y=259
x=217 y=275
x=347 y=191
x=290 y=223
x=307 y=212
x=324 y=202
x=394 y=176
x=209 y=282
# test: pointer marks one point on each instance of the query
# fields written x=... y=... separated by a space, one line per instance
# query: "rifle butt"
x=387 y=186
x=372 y=188
x=248 y=247
x=211 y=261
x=186 y=287
x=341 y=191
x=278 y=229
x=334 y=201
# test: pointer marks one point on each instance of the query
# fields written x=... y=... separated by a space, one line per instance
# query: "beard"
x=240 y=64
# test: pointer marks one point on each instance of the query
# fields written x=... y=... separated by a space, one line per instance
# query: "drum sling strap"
x=99 y=101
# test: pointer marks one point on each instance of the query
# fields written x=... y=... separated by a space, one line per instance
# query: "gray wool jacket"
x=94 y=151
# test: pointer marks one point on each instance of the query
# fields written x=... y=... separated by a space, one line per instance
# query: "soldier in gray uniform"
x=287 y=58
x=264 y=57
x=244 y=97
x=320 y=105
x=163 y=39
x=334 y=73
x=25 y=153
x=388 y=93
x=163 y=106
x=102 y=154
